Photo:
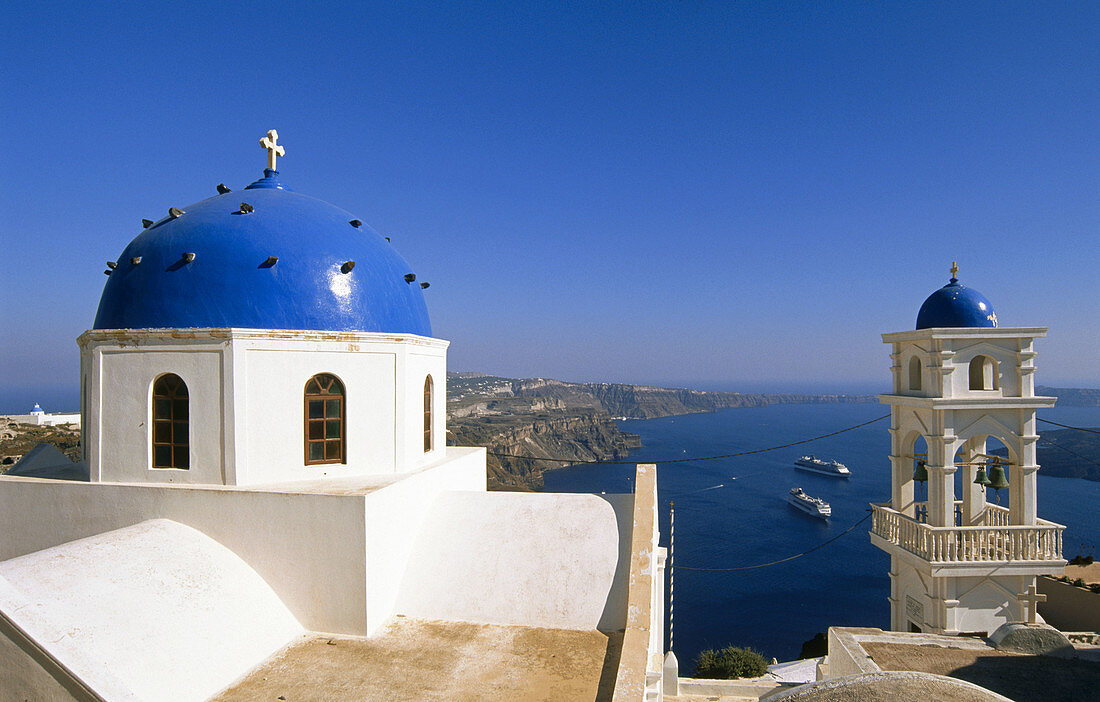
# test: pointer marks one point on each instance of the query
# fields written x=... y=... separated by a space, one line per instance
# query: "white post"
x=670 y=673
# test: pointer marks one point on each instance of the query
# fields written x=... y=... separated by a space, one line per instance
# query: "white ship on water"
x=813 y=464
x=813 y=506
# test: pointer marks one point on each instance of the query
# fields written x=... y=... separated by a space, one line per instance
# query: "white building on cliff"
x=271 y=501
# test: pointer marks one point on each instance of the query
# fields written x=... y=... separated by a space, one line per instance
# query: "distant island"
x=1071 y=397
x=1067 y=453
x=544 y=418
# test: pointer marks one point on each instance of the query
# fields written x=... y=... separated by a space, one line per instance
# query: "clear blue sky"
x=722 y=195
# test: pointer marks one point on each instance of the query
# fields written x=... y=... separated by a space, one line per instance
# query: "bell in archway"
x=920 y=473
x=997 y=479
x=980 y=478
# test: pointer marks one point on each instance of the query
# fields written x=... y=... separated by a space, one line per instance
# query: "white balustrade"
x=995 y=541
x=995 y=515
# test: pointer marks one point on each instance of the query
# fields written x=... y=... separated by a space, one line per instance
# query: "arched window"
x=983 y=373
x=171 y=447
x=324 y=418
x=428 y=413
x=914 y=373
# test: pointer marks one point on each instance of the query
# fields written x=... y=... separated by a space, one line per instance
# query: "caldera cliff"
x=543 y=418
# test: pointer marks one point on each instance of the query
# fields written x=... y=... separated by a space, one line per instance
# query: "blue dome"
x=284 y=261
x=956 y=305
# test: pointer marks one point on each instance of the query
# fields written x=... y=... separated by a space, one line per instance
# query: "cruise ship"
x=813 y=464
x=813 y=506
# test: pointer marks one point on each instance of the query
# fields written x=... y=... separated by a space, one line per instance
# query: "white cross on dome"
x=273 y=149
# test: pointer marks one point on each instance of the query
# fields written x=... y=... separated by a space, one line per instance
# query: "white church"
x=271 y=502
x=271 y=510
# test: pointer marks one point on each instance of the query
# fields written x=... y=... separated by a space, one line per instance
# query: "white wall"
x=395 y=516
x=270 y=425
x=312 y=546
x=417 y=364
x=985 y=603
x=246 y=392
x=952 y=350
x=158 y=607
x=122 y=399
x=308 y=547
x=520 y=559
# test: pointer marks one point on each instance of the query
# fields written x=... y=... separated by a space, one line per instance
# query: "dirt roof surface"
x=1016 y=676
x=415 y=659
x=888 y=686
x=1089 y=573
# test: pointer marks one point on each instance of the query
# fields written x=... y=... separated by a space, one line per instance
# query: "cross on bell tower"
x=273 y=149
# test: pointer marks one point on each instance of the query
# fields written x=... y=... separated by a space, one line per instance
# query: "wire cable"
x=678 y=495
x=690 y=460
x=1048 y=442
x=1066 y=426
x=781 y=560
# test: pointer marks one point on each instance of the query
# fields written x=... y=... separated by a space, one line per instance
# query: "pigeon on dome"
x=230 y=279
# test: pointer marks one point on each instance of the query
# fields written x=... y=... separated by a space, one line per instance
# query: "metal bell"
x=920 y=473
x=980 y=478
x=997 y=479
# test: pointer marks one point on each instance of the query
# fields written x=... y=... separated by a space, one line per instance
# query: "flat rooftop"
x=416 y=659
x=1017 y=676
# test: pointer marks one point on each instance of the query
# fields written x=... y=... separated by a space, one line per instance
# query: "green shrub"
x=1079 y=582
x=706 y=665
x=731 y=662
x=1095 y=587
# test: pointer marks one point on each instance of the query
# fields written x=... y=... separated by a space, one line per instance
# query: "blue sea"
x=733 y=513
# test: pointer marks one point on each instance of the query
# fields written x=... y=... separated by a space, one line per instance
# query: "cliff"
x=579 y=435
x=543 y=417
x=1071 y=397
x=17 y=439
x=642 y=402
x=627 y=401
x=1066 y=453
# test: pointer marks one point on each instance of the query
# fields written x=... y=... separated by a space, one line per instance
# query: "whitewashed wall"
x=246 y=392
x=162 y=609
x=556 y=561
x=311 y=546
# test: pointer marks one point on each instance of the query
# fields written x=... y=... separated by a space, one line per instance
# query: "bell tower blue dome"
x=262 y=258
x=955 y=305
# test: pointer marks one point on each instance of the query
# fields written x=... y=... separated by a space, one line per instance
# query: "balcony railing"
x=993 y=515
x=997 y=541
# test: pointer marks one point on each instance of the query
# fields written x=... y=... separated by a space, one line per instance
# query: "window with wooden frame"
x=324 y=420
x=171 y=446
x=428 y=414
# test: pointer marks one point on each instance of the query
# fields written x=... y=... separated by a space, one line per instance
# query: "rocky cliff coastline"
x=581 y=436
x=542 y=418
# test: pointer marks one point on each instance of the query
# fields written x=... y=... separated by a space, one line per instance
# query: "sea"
x=732 y=513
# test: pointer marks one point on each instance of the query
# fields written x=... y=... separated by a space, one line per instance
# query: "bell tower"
x=959 y=562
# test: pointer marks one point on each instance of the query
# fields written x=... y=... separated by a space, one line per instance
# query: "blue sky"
x=733 y=196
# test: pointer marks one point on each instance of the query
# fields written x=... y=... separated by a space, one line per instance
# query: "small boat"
x=813 y=464
x=813 y=506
